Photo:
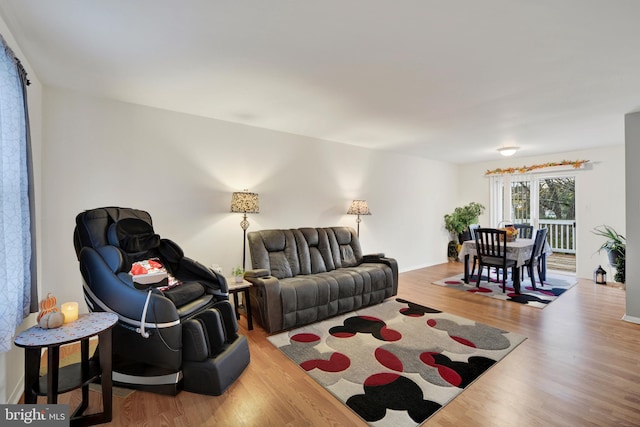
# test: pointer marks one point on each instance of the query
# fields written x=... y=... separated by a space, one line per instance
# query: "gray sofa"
x=305 y=275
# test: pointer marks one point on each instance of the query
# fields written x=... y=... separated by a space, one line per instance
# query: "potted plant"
x=458 y=222
x=615 y=245
x=237 y=272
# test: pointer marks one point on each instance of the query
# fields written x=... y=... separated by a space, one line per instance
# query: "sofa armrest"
x=265 y=295
x=372 y=257
x=260 y=272
x=391 y=262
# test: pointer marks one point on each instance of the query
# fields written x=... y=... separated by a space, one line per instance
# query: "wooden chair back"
x=491 y=243
x=525 y=231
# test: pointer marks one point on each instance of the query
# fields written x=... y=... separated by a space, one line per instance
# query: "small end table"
x=234 y=289
x=61 y=380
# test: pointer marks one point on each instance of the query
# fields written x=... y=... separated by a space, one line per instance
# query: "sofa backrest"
x=288 y=253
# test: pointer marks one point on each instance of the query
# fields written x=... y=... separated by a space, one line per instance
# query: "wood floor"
x=580 y=366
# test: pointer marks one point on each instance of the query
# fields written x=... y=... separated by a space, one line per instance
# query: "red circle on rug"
x=336 y=363
x=481 y=290
x=390 y=334
x=463 y=341
x=380 y=379
x=448 y=374
x=409 y=313
x=388 y=359
x=305 y=337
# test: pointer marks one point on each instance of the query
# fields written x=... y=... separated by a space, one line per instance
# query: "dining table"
x=518 y=250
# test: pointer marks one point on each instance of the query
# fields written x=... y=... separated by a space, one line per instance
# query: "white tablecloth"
x=518 y=250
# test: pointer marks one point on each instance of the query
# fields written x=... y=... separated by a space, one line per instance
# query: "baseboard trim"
x=415 y=267
x=17 y=392
x=631 y=319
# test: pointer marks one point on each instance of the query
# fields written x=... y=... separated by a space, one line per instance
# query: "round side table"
x=61 y=380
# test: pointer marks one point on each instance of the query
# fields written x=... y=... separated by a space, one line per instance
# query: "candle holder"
x=70 y=311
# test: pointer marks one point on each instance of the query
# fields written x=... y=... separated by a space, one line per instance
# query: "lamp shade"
x=508 y=151
x=359 y=207
x=245 y=202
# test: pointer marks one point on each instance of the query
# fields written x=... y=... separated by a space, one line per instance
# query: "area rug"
x=555 y=285
x=396 y=363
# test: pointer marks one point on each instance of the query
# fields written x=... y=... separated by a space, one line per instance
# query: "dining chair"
x=536 y=254
x=472 y=232
x=491 y=249
x=525 y=231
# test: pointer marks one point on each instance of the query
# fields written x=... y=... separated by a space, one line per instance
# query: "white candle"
x=70 y=311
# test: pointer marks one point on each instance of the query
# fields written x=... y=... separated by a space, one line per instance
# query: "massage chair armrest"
x=114 y=288
x=185 y=268
x=193 y=270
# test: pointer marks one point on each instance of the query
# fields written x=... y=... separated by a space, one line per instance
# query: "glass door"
x=543 y=201
x=557 y=212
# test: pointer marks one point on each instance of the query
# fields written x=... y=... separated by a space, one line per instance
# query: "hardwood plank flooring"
x=579 y=366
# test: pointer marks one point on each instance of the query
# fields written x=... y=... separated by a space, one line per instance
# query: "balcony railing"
x=561 y=235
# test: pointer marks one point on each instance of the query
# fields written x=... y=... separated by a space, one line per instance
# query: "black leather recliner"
x=189 y=336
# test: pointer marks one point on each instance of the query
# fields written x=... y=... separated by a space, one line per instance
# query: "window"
x=17 y=248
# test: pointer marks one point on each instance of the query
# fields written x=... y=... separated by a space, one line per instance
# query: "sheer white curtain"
x=15 y=212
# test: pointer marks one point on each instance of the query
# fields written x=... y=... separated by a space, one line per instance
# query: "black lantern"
x=600 y=276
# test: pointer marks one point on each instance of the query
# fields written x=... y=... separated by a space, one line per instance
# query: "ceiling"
x=450 y=80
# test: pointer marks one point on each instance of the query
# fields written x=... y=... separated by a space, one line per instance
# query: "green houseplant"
x=237 y=272
x=458 y=222
x=615 y=245
x=461 y=218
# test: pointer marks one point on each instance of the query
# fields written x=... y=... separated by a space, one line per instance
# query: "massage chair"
x=176 y=328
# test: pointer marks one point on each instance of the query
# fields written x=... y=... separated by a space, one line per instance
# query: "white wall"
x=183 y=169
x=632 y=144
x=12 y=362
x=600 y=197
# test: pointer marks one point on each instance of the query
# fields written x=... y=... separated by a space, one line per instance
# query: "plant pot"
x=238 y=279
x=452 y=251
x=613 y=257
x=464 y=236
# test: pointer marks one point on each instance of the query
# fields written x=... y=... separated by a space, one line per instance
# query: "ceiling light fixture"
x=508 y=151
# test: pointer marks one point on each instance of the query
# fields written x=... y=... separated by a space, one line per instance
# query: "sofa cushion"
x=308 y=298
x=378 y=281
